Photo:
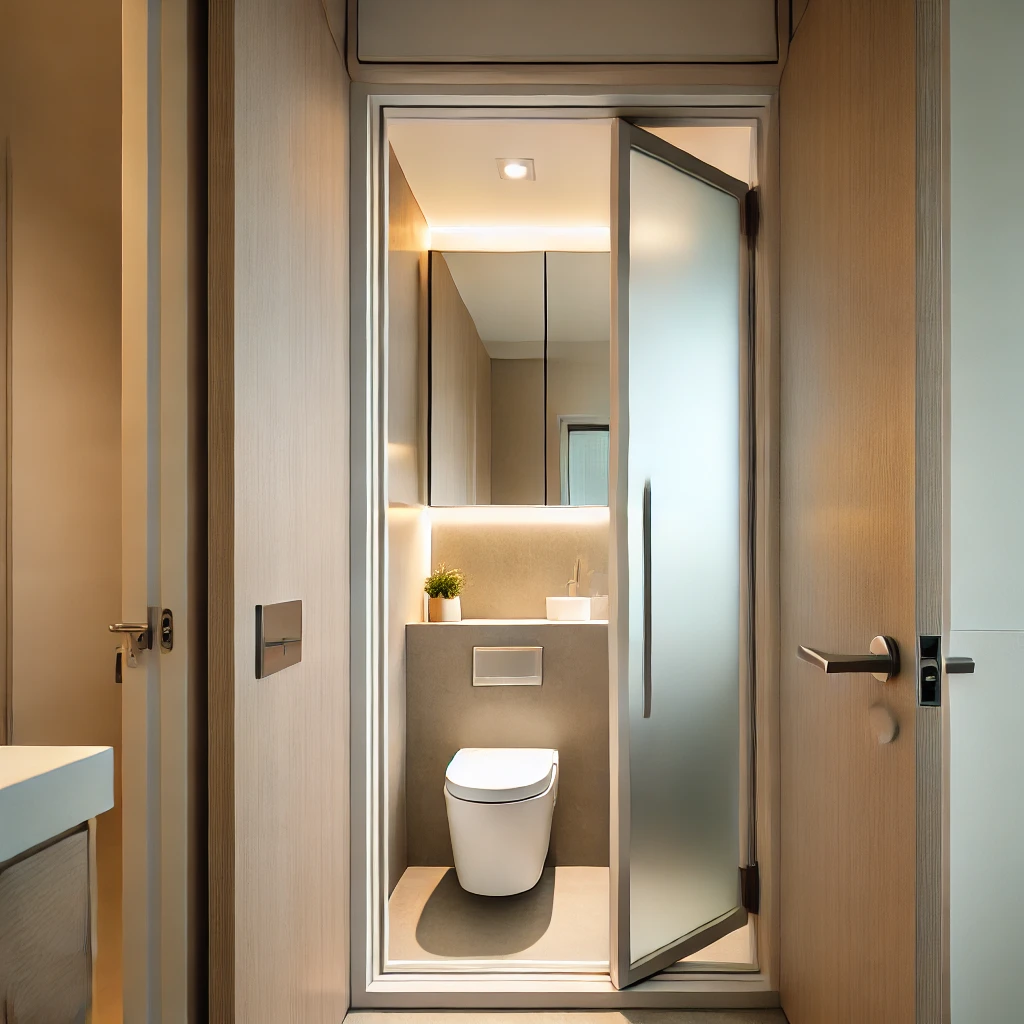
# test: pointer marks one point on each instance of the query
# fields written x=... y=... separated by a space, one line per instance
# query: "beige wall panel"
x=513 y=564
x=279 y=453
x=579 y=376
x=484 y=438
x=847 y=116
x=517 y=431
x=603 y=31
x=408 y=241
x=986 y=710
x=6 y=674
x=408 y=536
x=62 y=66
x=568 y=712
x=459 y=404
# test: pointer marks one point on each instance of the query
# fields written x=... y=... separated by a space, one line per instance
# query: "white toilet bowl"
x=500 y=801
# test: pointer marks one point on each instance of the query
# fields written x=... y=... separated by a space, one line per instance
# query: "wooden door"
x=279 y=477
x=852 y=466
x=163 y=514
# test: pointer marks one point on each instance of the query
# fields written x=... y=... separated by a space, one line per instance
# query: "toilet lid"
x=497 y=775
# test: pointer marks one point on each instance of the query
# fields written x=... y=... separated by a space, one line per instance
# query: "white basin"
x=569 y=609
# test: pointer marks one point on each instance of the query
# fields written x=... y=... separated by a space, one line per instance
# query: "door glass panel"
x=684 y=440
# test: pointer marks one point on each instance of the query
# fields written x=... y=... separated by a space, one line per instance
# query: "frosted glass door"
x=676 y=464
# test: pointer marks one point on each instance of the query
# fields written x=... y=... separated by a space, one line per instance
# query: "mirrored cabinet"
x=519 y=378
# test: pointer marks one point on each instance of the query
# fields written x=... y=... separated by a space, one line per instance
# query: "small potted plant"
x=443 y=587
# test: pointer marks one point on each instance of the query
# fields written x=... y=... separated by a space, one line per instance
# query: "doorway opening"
x=505 y=452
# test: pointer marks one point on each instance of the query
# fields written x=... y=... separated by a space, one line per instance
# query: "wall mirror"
x=519 y=378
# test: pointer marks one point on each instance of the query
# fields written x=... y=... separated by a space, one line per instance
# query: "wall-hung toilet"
x=500 y=801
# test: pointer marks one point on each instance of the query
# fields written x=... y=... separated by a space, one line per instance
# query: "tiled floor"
x=562 y=922
x=569 y=1017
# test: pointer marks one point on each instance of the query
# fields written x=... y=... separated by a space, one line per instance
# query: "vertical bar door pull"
x=648 y=639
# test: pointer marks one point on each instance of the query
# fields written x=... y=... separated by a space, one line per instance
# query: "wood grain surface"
x=847 y=116
x=279 y=453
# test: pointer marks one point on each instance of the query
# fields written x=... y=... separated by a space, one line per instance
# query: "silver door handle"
x=141 y=634
x=648 y=682
x=959 y=666
x=137 y=637
x=883 y=662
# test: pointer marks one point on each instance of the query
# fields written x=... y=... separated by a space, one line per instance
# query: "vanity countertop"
x=516 y=622
x=45 y=791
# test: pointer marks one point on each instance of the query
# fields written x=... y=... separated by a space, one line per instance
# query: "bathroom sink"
x=569 y=609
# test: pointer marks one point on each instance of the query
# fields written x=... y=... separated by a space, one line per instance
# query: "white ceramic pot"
x=444 y=609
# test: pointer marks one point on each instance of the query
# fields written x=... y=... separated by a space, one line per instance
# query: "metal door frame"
x=370 y=987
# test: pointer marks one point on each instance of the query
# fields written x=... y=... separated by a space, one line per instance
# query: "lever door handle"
x=959 y=666
x=883 y=662
x=141 y=634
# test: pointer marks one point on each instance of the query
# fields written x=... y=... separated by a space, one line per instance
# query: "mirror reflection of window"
x=585 y=476
x=578 y=367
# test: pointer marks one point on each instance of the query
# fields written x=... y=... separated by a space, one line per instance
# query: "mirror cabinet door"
x=518 y=378
x=578 y=368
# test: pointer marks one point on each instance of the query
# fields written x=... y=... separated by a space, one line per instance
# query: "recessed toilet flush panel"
x=508 y=666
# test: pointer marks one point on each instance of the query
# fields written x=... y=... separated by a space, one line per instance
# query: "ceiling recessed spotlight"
x=516 y=168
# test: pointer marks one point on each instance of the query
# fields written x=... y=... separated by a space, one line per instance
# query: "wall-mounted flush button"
x=508 y=666
x=278 y=637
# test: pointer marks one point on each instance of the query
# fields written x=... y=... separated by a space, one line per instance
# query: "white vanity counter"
x=45 y=791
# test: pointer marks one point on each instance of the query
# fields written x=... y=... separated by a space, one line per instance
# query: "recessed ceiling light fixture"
x=516 y=168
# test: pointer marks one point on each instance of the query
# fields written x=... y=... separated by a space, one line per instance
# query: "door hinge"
x=750 y=888
x=751 y=214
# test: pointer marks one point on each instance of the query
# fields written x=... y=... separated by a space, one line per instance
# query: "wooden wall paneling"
x=6 y=280
x=767 y=379
x=848 y=857
x=221 y=510
x=517 y=431
x=932 y=525
x=279 y=452
x=459 y=403
x=798 y=8
x=408 y=541
x=482 y=469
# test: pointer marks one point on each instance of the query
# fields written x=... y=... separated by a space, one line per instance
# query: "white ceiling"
x=504 y=293
x=579 y=296
x=452 y=170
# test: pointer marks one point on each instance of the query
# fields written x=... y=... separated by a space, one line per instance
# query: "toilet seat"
x=498 y=775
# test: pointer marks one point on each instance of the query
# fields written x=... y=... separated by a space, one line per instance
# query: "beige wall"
x=568 y=711
x=460 y=407
x=279 y=509
x=517 y=431
x=514 y=558
x=61 y=104
x=579 y=376
x=986 y=616
x=408 y=536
